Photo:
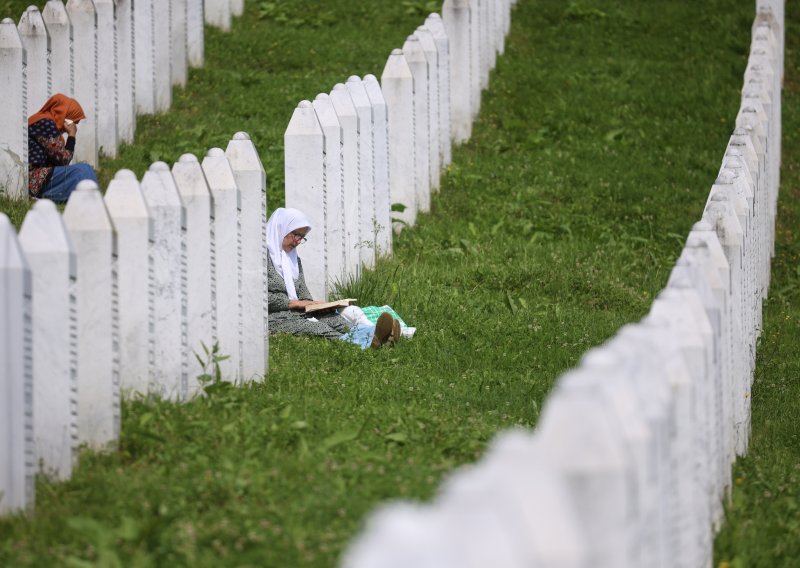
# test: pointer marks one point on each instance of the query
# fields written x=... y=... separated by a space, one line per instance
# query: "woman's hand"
x=300 y=305
x=71 y=129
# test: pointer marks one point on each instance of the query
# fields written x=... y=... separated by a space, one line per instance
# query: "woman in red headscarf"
x=49 y=174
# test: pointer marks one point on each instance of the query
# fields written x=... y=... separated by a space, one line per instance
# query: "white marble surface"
x=435 y=24
x=195 y=42
x=251 y=179
x=135 y=269
x=305 y=190
x=107 y=83
x=228 y=269
x=397 y=84
x=417 y=62
x=435 y=157
x=83 y=16
x=144 y=45
x=455 y=17
x=200 y=259
x=170 y=363
x=43 y=236
x=17 y=488
x=92 y=234
x=218 y=14
x=33 y=33
x=59 y=29
x=126 y=105
x=335 y=230
x=348 y=118
x=380 y=153
x=366 y=172
x=13 y=119
x=162 y=56
x=178 y=44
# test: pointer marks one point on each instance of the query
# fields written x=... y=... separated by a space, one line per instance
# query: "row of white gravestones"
x=631 y=460
x=352 y=154
x=118 y=295
x=117 y=58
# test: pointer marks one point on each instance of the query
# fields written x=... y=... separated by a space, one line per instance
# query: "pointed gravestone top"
x=242 y=154
x=241 y=136
x=124 y=197
x=31 y=23
x=11 y=256
x=188 y=159
x=55 y=13
x=304 y=121
x=9 y=35
x=397 y=66
x=413 y=51
x=86 y=210
x=43 y=229
x=215 y=153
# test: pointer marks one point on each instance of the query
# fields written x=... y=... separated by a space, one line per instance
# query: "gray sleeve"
x=300 y=285
x=277 y=298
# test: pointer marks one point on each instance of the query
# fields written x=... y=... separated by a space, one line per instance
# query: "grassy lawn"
x=597 y=143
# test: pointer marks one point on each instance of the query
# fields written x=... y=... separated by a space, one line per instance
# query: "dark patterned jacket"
x=46 y=149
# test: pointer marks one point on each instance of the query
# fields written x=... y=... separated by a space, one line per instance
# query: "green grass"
x=596 y=146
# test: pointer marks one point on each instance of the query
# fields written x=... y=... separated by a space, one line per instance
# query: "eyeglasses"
x=299 y=238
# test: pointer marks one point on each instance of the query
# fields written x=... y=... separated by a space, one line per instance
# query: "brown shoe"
x=383 y=329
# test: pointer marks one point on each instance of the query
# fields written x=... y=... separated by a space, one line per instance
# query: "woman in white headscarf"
x=288 y=294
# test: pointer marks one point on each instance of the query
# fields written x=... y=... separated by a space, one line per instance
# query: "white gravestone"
x=511 y=509
x=126 y=105
x=588 y=451
x=428 y=44
x=415 y=56
x=671 y=310
x=334 y=190
x=682 y=523
x=721 y=215
x=643 y=369
x=107 y=72
x=486 y=50
x=695 y=264
x=83 y=16
x=397 y=84
x=59 y=29
x=162 y=57
x=403 y=534
x=200 y=259
x=14 y=118
x=348 y=118
x=48 y=249
x=92 y=234
x=179 y=32
x=605 y=374
x=17 y=462
x=435 y=24
x=456 y=20
x=135 y=265
x=703 y=239
x=145 y=56
x=251 y=180
x=34 y=37
x=228 y=249
x=305 y=190
x=380 y=153
x=475 y=57
x=218 y=14
x=366 y=172
x=170 y=363
x=195 y=43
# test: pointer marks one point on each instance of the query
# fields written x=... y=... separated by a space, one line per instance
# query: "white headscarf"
x=282 y=222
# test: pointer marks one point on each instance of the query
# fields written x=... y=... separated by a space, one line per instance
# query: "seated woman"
x=289 y=296
x=49 y=174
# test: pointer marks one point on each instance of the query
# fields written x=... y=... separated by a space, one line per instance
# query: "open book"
x=328 y=306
